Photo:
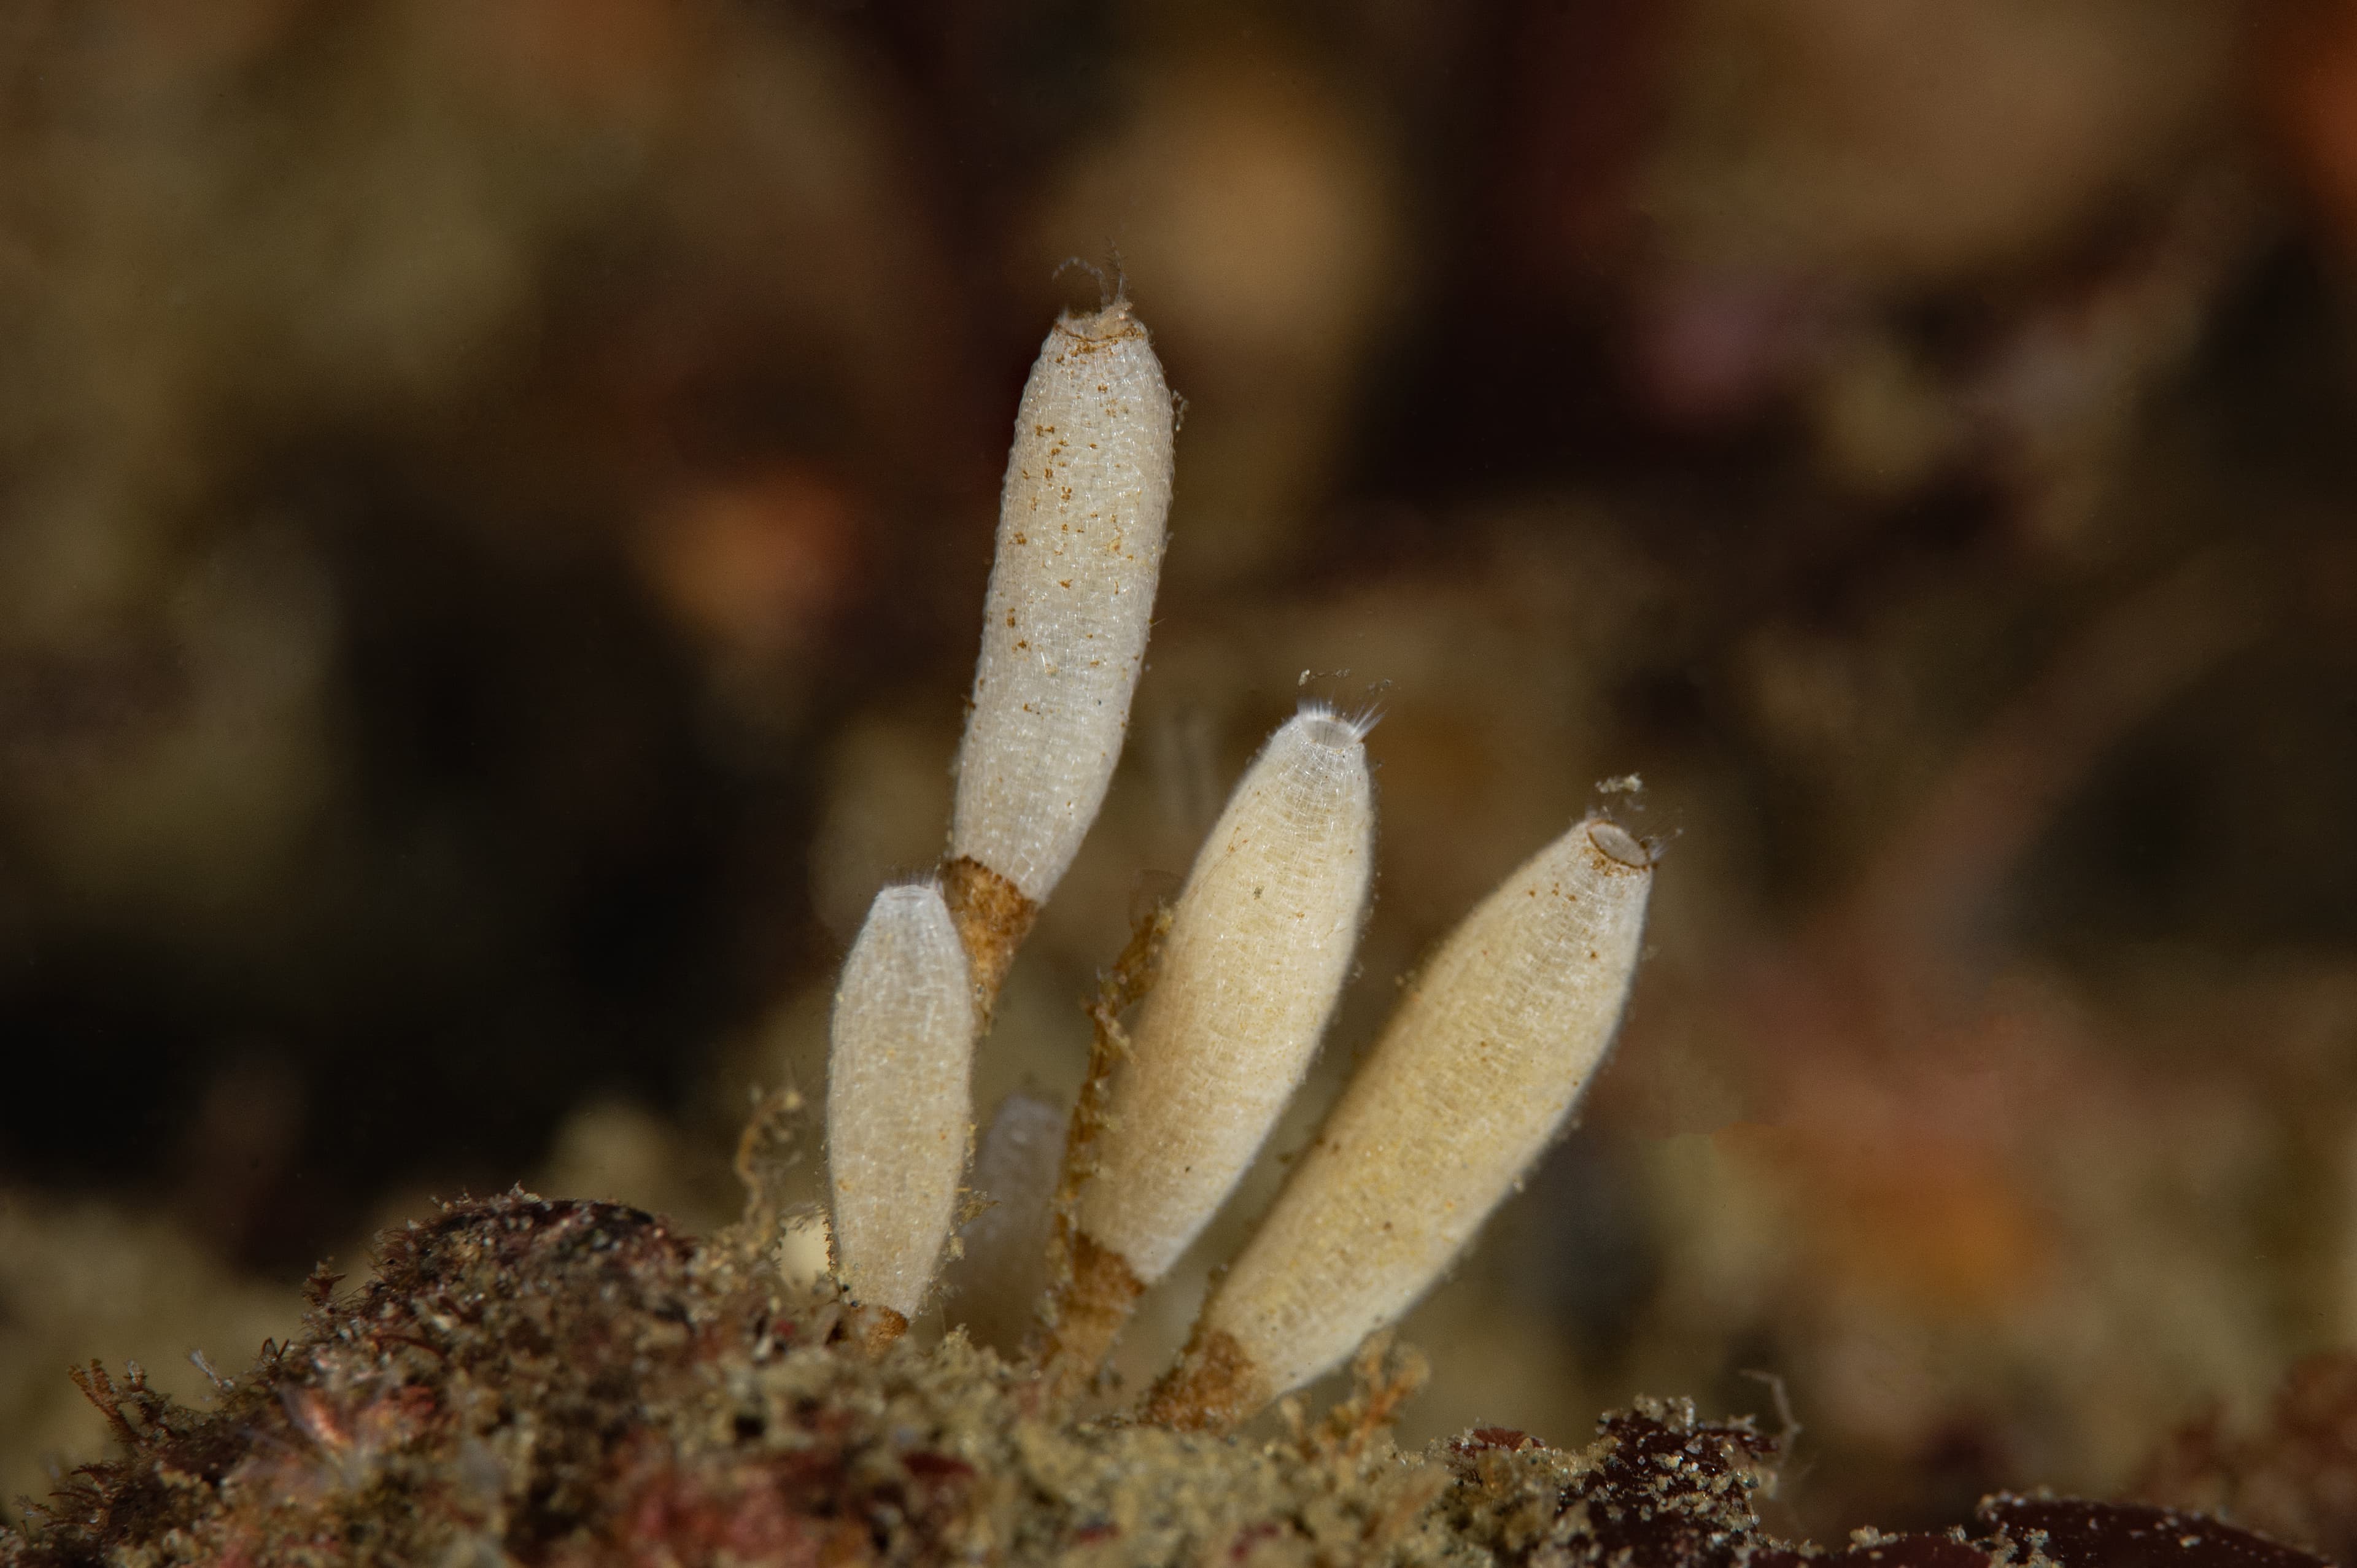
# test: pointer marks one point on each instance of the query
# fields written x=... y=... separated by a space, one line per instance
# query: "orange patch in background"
x=1932 y=1223
x=2309 y=91
x=620 y=59
x=755 y=564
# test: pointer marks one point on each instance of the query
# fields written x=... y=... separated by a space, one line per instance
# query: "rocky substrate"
x=528 y=1380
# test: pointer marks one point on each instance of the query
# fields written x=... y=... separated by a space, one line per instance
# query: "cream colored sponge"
x=1259 y=943
x=1081 y=529
x=898 y=1105
x=1475 y=1073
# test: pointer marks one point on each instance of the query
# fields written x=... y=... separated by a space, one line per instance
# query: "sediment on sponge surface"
x=1081 y=534
x=550 y=1381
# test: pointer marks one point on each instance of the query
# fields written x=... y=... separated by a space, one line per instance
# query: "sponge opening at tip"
x=1331 y=727
x=1113 y=322
x=1615 y=843
x=1324 y=729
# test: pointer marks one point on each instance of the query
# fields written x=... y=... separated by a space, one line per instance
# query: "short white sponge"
x=898 y=1105
x=1080 y=530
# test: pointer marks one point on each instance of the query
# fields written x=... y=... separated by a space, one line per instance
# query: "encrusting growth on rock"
x=1260 y=942
x=1475 y=1073
x=574 y=1384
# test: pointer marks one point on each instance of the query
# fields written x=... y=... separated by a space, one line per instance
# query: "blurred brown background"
x=494 y=499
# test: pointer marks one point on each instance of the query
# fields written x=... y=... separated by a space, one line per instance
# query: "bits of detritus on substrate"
x=679 y=1405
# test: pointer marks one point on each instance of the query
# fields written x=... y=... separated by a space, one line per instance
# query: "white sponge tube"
x=1259 y=943
x=899 y=1106
x=1081 y=531
x=1475 y=1074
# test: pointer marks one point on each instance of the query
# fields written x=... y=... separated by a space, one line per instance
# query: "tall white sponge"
x=898 y=1105
x=1476 y=1072
x=1260 y=942
x=1081 y=531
